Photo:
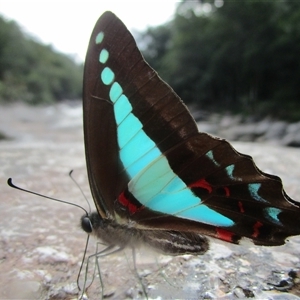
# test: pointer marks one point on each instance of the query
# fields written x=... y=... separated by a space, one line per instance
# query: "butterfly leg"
x=111 y=249
x=162 y=273
x=137 y=274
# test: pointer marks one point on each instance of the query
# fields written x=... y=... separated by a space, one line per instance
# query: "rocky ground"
x=237 y=128
x=42 y=244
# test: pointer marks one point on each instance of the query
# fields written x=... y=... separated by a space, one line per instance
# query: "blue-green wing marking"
x=153 y=182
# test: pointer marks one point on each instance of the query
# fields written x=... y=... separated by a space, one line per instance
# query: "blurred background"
x=235 y=63
x=234 y=56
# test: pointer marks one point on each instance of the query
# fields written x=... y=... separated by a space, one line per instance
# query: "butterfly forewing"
x=153 y=107
x=146 y=159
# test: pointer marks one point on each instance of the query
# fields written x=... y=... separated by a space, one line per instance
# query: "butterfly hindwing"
x=146 y=159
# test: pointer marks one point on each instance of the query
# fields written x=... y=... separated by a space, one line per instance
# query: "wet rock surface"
x=42 y=244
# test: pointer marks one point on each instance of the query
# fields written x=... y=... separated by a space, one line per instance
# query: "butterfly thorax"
x=110 y=232
x=169 y=242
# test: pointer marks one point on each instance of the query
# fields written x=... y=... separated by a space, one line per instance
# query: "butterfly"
x=155 y=179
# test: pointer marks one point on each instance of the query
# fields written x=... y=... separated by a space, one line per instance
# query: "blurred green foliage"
x=239 y=56
x=32 y=72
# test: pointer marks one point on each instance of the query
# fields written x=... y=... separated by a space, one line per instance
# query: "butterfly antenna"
x=70 y=174
x=10 y=183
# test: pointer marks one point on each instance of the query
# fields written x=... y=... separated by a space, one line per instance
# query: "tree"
x=32 y=72
x=241 y=56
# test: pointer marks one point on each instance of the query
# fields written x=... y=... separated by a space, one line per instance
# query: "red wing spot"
x=123 y=200
x=225 y=235
x=241 y=207
x=132 y=208
x=202 y=183
x=227 y=191
x=256 y=227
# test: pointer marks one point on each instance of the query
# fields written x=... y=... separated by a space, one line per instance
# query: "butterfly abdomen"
x=176 y=243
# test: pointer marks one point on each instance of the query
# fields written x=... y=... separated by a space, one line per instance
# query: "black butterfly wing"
x=150 y=95
x=147 y=161
x=102 y=155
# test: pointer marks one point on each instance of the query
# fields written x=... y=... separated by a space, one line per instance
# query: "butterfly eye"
x=86 y=224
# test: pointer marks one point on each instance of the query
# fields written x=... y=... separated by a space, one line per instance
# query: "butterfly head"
x=86 y=224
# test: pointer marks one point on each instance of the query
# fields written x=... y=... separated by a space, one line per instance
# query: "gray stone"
x=228 y=121
x=293 y=128
x=292 y=139
x=276 y=130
